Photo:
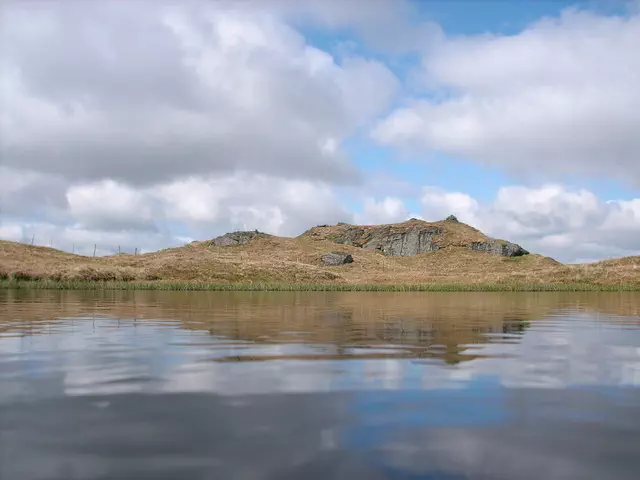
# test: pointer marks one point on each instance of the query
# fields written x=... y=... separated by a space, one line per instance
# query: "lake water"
x=218 y=385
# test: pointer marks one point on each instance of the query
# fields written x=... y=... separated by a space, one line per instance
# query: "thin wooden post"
x=94 y=249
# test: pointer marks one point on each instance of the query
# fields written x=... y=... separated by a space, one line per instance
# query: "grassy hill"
x=272 y=259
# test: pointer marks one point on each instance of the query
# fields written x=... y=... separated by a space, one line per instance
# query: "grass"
x=48 y=284
x=288 y=264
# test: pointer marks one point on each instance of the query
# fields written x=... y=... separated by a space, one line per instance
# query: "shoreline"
x=312 y=287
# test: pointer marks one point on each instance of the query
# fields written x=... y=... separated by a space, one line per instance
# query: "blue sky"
x=146 y=125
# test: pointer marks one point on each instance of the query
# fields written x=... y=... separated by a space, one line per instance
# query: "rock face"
x=336 y=258
x=235 y=238
x=414 y=237
x=405 y=244
x=498 y=247
x=390 y=241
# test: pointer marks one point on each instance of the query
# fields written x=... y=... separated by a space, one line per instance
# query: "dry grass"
x=277 y=260
x=168 y=285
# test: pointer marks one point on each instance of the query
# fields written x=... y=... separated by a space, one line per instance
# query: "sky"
x=146 y=124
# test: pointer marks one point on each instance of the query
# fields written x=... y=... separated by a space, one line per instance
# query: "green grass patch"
x=312 y=287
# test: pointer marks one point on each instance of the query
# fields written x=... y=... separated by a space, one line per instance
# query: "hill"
x=410 y=252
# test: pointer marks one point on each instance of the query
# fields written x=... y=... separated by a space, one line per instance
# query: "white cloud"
x=77 y=239
x=438 y=204
x=249 y=201
x=386 y=25
x=387 y=210
x=560 y=97
x=140 y=126
x=113 y=214
x=569 y=225
x=26 y=191
x=110 y=205
x=144 y=95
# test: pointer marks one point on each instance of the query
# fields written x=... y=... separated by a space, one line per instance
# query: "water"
x=207 y=385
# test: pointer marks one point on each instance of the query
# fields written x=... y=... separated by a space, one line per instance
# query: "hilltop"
x=414 y=237
x=410 y=252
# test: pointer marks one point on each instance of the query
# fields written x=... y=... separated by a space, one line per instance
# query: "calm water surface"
x=208 y=385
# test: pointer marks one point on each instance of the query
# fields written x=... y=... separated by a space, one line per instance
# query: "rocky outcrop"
x=414 y=237
x=336 y=258
x=389 y=240
x=499 y=247
x=236 y=238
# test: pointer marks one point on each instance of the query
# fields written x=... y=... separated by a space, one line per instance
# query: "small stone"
x=336 y=258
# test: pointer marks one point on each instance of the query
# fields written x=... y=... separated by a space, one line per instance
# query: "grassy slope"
x=278 y=260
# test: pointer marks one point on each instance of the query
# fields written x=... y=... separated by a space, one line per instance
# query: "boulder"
x=336 y=258
x=499 y=247
x=452 y=218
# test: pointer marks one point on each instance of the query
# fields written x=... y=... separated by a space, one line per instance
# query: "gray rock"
x=405 y=244
x=236 y=238
x=390 y=241
x=416 y=237
x=336 y=258
x=499 y=247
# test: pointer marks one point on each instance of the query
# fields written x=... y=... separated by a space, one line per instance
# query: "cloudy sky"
x=146 y=124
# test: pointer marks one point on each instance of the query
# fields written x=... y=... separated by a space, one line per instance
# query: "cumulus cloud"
x=28 y=191
x=438 y=204
x=387 y=25
x=112 y=206
x=78 y=239
x=387 y=210
x=143 y=94
x=112 y=214
x=139 y=126
x=249 y=201
x=559 y=97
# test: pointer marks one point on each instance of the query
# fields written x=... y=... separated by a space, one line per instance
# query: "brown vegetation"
x=297 y=260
